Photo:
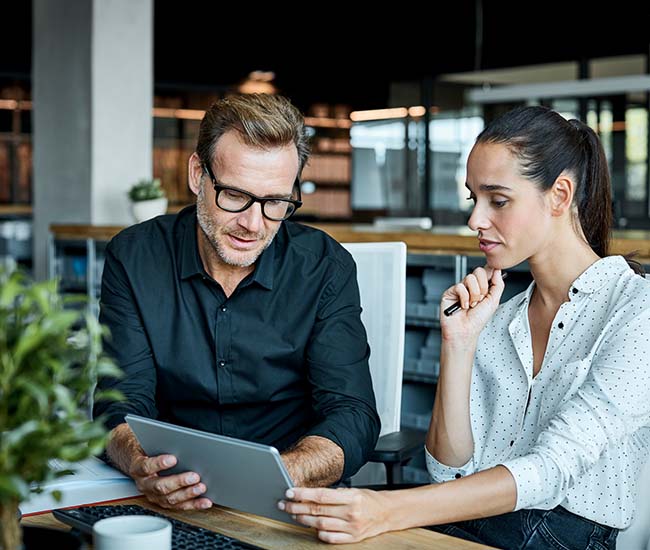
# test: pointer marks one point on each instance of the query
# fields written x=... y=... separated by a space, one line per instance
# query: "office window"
x=380 y=174
x=622 y=125
x=636 y=153
x=451 y=138
x=389 y=165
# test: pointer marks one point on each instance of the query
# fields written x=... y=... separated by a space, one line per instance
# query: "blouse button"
x=575 y=291
x=512 y=443
x=560 y=325
x=458 y=476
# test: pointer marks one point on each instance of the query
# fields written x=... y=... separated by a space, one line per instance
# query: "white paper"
x=91 y=481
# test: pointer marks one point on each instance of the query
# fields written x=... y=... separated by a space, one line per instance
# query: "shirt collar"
x=264 y=270
x=190 y=259
x=526 y=296
x=591 y=279
x=599 y=273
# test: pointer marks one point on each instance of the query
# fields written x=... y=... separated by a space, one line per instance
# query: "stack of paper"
x=91 y=481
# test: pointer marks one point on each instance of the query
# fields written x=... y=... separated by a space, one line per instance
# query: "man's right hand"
x=175 y=491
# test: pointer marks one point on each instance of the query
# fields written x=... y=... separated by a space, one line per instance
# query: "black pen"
x=456 y=306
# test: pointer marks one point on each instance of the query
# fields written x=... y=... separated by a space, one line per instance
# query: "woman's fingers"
x=474 y=289
x=333 y=537
x=309 y=508
x=497 y=285
x=321 y=494
x=319 y=502
x=459 y=293
x=478 y=285
x=483 y=279
x=324 y=523
x=330 y=505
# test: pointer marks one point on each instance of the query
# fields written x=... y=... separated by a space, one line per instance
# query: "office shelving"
x=78 y=264
x=328 y=167
x=15 y=148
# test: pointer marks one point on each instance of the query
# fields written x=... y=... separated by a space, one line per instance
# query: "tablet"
x=239 y=474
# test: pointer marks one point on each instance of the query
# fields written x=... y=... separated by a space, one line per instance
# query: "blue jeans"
x=556 y=529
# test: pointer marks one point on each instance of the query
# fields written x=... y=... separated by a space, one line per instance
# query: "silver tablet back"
x=238 y=474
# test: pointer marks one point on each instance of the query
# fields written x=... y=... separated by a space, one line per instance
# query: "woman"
x=542 y=411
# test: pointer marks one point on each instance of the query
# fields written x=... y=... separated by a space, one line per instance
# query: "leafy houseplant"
x=50 y=359
x=148 y=199
x=145 y=190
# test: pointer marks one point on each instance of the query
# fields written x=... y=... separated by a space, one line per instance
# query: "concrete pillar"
x=92 y=84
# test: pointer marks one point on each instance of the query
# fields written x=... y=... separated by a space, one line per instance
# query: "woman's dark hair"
x=546 y=145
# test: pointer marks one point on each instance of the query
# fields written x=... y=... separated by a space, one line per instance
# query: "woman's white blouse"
x=578 y=433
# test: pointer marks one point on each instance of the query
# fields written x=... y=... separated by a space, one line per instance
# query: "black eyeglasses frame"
x=297 y=203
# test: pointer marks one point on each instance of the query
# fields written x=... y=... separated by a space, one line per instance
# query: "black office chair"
x=395 y=450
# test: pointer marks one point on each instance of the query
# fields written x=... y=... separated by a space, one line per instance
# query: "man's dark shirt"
x=285 y=356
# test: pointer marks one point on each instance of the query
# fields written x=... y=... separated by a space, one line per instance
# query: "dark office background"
x=343 y=58
x=337 y=54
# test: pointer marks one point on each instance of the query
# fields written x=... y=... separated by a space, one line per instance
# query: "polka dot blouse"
x=578 y=433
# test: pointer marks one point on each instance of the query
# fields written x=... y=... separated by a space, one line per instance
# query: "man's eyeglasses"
x=237 y=200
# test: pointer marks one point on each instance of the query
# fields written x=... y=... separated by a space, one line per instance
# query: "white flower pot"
x=145 y=210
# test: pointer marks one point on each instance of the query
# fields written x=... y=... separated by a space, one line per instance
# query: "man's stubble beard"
x=212 y=232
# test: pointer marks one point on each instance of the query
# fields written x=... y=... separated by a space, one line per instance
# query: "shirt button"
x=560 y=325
x=512 y=443
x=458 y=476
x=224 y=309
x=222 y=363
x=575 y=291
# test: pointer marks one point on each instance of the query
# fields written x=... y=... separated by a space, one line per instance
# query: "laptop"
x=238 y=474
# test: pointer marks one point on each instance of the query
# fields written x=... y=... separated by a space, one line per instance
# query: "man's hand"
x=176 y=491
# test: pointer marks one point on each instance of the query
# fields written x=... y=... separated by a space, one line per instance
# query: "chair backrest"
x=381 y=273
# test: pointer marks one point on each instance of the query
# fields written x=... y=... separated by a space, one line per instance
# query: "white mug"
x=132 y=533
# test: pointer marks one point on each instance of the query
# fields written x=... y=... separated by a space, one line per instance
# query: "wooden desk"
x=272 y=534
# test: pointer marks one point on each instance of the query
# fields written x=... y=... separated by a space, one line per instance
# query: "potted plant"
x=148 y=199
x=50 y=359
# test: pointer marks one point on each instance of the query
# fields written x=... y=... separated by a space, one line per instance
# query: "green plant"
x=146 y=189
x=50 y=358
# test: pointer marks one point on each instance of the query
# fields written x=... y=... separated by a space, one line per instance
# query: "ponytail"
x=594 y=191
x=595 y=204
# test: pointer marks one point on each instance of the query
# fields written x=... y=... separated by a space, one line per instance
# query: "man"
x=229 y=319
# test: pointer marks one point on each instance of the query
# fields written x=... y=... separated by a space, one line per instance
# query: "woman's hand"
x=479 y=294
x=339 y=515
